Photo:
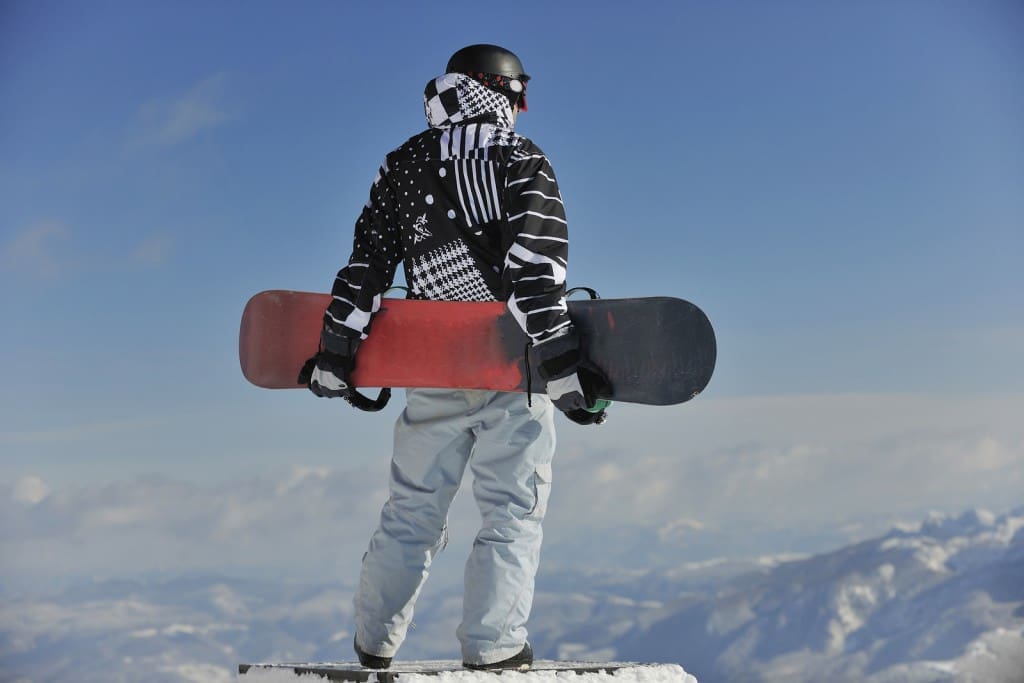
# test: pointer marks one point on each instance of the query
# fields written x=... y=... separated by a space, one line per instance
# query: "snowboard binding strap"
x=364 y=402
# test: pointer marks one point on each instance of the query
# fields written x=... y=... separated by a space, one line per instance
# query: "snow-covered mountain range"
x=943 y=600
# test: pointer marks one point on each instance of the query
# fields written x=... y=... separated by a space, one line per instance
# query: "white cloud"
x=157 y=524
x=719 y=477
x=171 y=121
x=152 y=251
x=30 y=490
x=44 y=252
x=36 y=251
x=78 y=434
x=679 y=529
x=757 y=472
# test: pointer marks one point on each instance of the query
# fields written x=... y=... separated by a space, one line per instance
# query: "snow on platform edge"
x=451 y=672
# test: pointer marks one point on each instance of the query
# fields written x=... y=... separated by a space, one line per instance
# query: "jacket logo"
x=420 y=228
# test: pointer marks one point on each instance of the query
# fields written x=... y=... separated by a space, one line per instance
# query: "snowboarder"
x=473 y=211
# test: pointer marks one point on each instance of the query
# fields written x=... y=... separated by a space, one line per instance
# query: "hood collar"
x=457 y=98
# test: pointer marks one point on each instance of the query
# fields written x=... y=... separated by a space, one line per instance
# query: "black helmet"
x=495 y=67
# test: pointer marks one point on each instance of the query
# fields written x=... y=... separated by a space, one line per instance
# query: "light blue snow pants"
x=509 y=447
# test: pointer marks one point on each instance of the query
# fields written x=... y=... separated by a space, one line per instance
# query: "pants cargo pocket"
x=541 y=491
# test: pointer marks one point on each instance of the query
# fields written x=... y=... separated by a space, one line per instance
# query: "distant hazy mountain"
x=942 y=601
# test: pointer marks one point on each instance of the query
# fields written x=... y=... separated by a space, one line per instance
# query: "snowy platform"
x=544 y=671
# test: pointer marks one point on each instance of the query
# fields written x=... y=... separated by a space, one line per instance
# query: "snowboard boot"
x=520 y=662
x=369 y=661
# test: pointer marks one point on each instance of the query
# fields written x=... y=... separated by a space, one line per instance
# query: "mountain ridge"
x=938 y=601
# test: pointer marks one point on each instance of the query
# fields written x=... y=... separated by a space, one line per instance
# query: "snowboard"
x=654 y=350
x=593 y=672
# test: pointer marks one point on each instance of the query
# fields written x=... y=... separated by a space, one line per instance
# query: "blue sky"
x=839 y=185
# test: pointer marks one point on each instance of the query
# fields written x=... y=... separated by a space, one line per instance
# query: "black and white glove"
x=329 y=373
x=575 y=385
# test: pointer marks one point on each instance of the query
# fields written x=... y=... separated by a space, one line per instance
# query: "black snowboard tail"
x=655 y=350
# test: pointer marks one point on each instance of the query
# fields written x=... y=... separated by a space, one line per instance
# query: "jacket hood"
x=456 y=98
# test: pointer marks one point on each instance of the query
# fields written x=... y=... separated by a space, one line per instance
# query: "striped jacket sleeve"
x=536 y=261
x=376 y=253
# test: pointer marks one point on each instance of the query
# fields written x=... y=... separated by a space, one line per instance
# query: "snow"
x=451 y=672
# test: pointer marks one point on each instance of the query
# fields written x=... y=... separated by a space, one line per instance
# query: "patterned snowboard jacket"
x=470 y=208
